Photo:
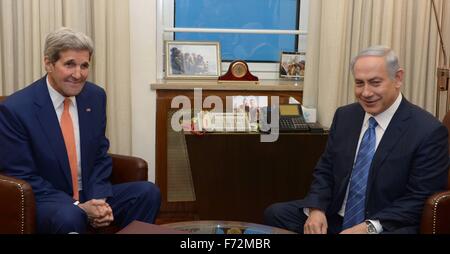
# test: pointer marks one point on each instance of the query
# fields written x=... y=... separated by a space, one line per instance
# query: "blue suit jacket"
x=410 y=163
x=32 y=146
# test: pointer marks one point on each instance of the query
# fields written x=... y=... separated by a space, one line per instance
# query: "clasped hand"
x=99 y=212
x=317 y=224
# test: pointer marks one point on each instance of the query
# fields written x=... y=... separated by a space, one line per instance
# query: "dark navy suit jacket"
x=410 y=163
x=32 y=146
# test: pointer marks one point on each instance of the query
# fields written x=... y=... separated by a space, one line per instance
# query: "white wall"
x=143 y=29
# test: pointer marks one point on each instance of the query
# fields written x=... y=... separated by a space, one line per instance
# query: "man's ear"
x=399 y=75
x=48 y=65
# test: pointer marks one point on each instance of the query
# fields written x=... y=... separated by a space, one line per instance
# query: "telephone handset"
x=291 y=119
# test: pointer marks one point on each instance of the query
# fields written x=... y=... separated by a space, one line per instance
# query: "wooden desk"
x=177 y=203
x=236 y=176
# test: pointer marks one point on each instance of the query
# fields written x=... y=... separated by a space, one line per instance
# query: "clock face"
x=239 y=69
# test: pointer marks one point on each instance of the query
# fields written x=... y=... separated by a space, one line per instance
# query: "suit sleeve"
x=428 y=174
x=103 y=162
x=16 y=157
x=321 y=191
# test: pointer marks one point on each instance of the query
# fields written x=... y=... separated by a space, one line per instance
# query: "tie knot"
x=372 y=122
x=66 y=104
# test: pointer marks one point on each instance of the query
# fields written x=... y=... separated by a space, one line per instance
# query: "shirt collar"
x=57 y=98
x=384 y=118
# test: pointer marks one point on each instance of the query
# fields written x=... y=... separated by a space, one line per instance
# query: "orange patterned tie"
x=69 y=140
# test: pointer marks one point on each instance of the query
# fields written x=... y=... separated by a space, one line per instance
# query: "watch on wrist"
x=371 y=229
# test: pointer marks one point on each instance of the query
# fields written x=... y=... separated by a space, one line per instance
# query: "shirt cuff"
x=377 y=225
x=306 y=211
x=76 y=202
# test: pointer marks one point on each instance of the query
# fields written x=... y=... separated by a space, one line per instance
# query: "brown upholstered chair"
x=17 y=213
x=436 y=212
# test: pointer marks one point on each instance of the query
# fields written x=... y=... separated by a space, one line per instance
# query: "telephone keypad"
x=296 y=124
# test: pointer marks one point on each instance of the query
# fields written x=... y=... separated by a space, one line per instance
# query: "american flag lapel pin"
x=88 y=110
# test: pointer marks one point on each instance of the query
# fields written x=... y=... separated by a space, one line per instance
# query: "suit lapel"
x=84 y=112
x=48 y=120
x=392 y=135
x=353 y=130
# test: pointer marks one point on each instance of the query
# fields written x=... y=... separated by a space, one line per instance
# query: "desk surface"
x=224 y=227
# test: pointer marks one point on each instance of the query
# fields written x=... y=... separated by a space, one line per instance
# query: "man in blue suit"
x=383 y=158
x=68 y=167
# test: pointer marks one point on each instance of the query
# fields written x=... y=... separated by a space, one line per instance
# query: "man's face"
x=374 y=89
x=68 y=75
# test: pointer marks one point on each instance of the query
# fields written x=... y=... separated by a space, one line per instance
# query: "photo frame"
x=292 y=65
x=192 y=60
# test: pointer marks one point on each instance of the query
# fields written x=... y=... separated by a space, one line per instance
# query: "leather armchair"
x=436 y=212
x=17 y=213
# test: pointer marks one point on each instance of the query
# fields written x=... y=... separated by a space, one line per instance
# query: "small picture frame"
x=192 y=60
x=292 y=65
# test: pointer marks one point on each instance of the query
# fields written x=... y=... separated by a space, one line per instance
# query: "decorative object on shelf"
x=238 y=71
x=223 y=122
x=192 y=60
x=292 y=65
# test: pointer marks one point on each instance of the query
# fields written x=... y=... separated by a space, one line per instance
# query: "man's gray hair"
x=66 y=39
x=382 y=51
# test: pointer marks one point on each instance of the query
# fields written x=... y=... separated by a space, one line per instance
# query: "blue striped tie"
x=355 y=207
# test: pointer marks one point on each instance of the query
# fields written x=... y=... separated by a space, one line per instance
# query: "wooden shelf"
x=264 y=85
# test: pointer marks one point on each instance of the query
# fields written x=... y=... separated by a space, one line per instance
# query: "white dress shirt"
x=58 y=104
x=383 y=119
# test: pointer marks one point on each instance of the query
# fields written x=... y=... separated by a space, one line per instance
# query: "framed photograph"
x=192 y=60
x=292 y=65
x=251 y=106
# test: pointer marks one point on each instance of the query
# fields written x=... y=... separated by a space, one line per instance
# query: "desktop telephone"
x=291 y=119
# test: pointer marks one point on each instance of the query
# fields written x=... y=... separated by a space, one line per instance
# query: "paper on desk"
x=308 y=113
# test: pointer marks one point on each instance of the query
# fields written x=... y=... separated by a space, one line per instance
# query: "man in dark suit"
x=383 y=158
x=52 y=135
